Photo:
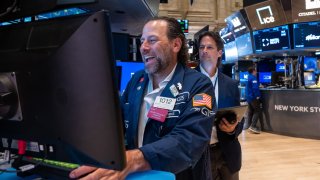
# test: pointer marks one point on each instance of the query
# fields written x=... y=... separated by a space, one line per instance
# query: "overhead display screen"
x=272 y=39
x=237 y=24
x=266 y=14
x=184 y=24
x=230 y=50
x=306 y=35
x=226 y=34
x=305 y=10
x=244 y=44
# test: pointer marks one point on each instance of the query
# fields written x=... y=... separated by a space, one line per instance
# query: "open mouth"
x=148 y=58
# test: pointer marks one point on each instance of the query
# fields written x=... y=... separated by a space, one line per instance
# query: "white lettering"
x=268 y=20
x=275 y=41
x=236 y=22
x=299 y=108
x=312 y=37
x=310 y=13
x=281 y=107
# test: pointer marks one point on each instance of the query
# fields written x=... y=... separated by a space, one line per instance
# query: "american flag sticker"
x=202 y=100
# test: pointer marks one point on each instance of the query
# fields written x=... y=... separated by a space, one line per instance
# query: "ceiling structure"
x=201 y=12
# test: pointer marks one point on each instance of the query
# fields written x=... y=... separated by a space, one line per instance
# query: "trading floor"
x=275 y=157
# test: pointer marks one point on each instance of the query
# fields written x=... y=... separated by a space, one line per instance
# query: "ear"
x=176 y=44
x=220 y=53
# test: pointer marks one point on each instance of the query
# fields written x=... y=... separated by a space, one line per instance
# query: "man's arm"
x=135 y=163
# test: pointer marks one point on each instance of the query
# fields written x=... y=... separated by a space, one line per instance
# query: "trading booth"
x=282 y=39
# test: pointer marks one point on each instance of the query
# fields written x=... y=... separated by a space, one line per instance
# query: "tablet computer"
x=232 y=114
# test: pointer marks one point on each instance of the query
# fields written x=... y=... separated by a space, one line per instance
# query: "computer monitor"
x=277 y=78
x=243 y=77
x=128 y=70
x=306 y=35
x=309 y=78
x=272 y=39
x=244 y=44
x=280 y=67
x=265 y=78
x=184 y=24
x=58 y=88
x=309 y=63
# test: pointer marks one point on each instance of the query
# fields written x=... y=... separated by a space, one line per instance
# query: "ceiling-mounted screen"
x=184 y=24
x=305 y=10
x=238 y=24
x=226 y=34
x=272 y=39
x=306 y=35
x=266 y=14
x=244 y=44
x=230 y=52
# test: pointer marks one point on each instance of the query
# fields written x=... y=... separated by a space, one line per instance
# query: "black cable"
x=9 y=9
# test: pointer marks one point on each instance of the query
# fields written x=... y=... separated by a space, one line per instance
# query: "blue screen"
x=230 y=51
x=128 y=69
x=309 y=78
x=280 y=67
x=310 y=63
x=243 y=76
x=265 y=77
x=244 y=45
x=272 y=39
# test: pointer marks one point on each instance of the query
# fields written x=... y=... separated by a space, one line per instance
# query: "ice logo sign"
x=265 y=15
x=312 y=4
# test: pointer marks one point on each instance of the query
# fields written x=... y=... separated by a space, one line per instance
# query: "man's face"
x=208 y=51
x=156 y=49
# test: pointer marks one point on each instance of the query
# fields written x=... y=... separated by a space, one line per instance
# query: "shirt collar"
x=205 y=73
x=163 y=83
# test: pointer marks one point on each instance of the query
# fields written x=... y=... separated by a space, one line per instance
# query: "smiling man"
x=167 y=109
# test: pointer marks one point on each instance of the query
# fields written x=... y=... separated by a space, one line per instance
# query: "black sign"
x=292 y=112
x=271 y=39
x=306 y=35
x=266 y=14
x=305 y=10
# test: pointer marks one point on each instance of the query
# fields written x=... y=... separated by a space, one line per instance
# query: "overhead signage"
x=237 y=24
x=305 y=10
x=226 y=34
x=266 y=14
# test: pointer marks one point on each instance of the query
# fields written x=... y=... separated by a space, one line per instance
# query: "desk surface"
x=146 y=175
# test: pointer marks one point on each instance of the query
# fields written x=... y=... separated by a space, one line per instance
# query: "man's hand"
x=225 y=126
x=135 y=162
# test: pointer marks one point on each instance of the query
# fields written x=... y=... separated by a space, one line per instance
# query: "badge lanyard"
x=214 y=89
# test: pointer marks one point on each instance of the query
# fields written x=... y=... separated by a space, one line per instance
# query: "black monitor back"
x=63 y=76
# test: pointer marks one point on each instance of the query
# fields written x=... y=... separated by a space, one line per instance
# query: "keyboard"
x=45 y=168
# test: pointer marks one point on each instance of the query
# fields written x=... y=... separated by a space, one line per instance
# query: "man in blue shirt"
x=253 y=99
x=168 y=110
